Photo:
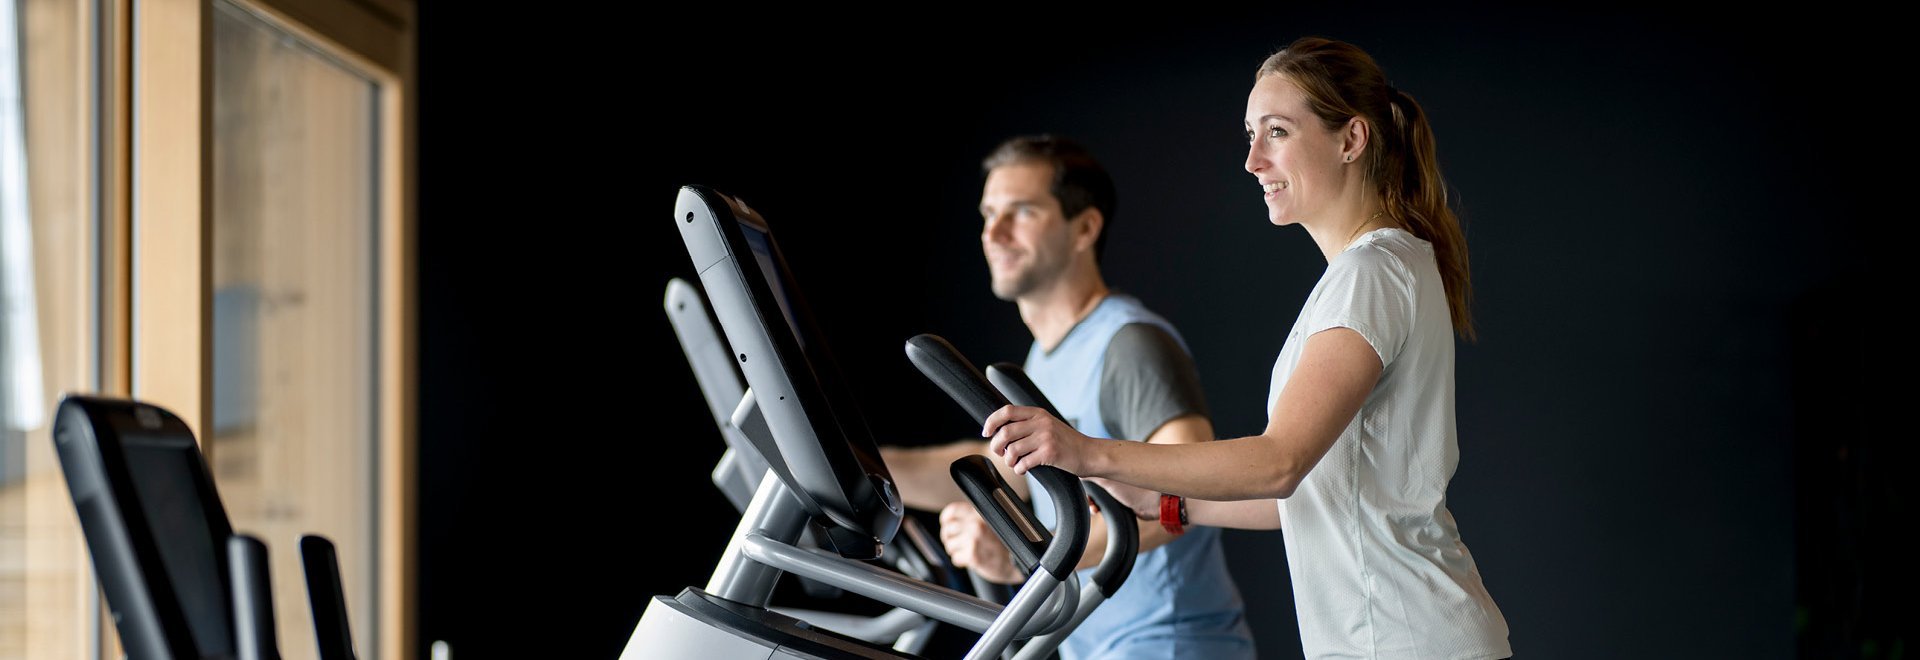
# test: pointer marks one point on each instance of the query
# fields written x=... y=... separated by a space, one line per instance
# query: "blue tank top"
x=1180 y=602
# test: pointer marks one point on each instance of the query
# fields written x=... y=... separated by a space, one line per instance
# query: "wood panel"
x=172 y=183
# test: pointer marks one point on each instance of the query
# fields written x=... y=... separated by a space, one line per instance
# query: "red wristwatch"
x=1173 y=513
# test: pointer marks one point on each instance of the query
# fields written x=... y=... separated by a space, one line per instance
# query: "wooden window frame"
x=166 y=233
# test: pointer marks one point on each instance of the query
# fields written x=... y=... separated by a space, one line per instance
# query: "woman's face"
x=1296 y=159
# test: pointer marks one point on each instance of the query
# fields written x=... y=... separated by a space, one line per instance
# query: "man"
x=1114 y=369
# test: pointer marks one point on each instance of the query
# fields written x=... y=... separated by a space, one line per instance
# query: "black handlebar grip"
x=253 y=622
x=1003 y=509
x=939 y=362
x=1013 y=382
x=327 y=598
x=1123 y=540
x=1123 y=528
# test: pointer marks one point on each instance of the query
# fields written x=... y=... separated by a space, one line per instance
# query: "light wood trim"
x=399 y=474
x=370 y=31
x=375 y=42
x=116 y=234
x=172 y=206
x=116 y=238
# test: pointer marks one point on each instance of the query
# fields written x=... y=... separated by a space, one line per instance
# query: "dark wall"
x=1666 y=215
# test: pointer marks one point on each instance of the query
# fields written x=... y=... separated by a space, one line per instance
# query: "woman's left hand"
x=1145 y=503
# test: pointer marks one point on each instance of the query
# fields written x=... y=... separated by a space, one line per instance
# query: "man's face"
x=1027 y=240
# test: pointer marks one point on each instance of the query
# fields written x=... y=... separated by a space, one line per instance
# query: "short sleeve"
x=1369 y=290
x=1148 y=380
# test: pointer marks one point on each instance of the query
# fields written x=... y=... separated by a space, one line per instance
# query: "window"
x=294 y=436
x=50 y=292
x=222 y=231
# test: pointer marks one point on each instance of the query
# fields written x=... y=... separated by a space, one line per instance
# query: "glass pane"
x=47 y=320
x=293 y=435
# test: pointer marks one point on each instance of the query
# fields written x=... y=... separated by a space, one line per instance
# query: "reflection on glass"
x=20 y=401
x=46 y=320
x=292 y=438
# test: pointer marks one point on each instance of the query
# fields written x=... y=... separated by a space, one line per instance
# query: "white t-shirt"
x=1379 y=570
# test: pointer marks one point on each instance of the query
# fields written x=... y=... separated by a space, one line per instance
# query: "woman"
x=1360 y=440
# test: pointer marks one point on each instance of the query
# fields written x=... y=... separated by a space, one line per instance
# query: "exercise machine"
x=824 y=475
x=181 y=584
x=913 y=551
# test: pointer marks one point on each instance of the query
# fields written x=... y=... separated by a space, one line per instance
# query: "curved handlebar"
x=940 y=363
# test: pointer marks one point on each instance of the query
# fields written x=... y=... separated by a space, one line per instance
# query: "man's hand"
x=973 y=545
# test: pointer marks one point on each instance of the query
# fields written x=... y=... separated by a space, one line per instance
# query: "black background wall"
x=1668 y=446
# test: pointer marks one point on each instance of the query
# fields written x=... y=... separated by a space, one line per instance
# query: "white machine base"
x=695 y=626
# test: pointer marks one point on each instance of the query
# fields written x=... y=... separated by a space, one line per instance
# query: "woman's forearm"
x=1242 y=514
x=1224 y=470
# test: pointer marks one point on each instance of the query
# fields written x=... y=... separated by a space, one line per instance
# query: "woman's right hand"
x=1025 y=437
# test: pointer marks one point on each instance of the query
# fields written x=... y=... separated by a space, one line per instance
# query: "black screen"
x=842 y=413
x=762 y=245
x=163 y=472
